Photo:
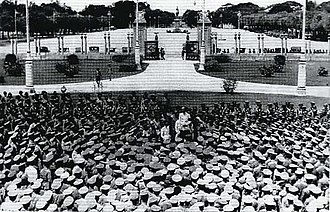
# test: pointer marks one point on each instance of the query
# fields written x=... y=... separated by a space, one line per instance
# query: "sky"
x=168 y=5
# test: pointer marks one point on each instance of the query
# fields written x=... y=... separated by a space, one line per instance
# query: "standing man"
x=162 y=53
x=98 y=77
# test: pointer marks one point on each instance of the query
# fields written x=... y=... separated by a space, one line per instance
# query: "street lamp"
x=137 y=46
x=28 y=61
x=301 y=89
x=15 y=17
x=239 y=19
x=202 y=54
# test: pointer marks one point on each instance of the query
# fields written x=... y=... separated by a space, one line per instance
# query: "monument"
x=177 y=23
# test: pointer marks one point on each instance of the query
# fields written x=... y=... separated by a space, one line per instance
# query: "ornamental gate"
x=192 y=50
x=151 y=50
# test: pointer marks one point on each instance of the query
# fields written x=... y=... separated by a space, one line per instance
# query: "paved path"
x=173 y=75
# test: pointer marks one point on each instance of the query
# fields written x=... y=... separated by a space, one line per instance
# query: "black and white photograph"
x=165 y=106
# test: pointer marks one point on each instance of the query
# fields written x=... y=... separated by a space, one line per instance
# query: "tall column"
x=59 y=43
x=39 y=44
x=82 y=43
x=12 y=44
x=36 y=43
x=282 y=44
x=259 y=44
x=86 y=50
x=129 y=41
x=105 y=43
x=239 y=43
x=262 y=44
x=301 y=88
x=137 y=45
x=286 y=44
x=328 y=44
x=202 y=53
x=28 y=61
x=235 y=37
x=16 y=34
x=109 y=42
x=62 y=39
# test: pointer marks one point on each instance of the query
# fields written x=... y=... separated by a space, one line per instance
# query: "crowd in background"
x=139 y=153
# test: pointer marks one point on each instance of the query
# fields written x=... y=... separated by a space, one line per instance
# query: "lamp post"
x=28 y=61
x=109 y=35
x=202 y=54
x=137 y=46
x=15 y=17
x=239 y=19
x=301 y=88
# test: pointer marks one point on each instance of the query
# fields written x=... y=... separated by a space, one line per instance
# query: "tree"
x=190 y=17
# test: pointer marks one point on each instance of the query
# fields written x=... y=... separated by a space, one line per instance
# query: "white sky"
x=169 y=5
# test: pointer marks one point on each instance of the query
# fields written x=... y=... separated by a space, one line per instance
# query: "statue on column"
x=177 y=12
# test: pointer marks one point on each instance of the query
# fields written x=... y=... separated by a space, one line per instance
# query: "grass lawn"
x=248 y=71
x=45 y=73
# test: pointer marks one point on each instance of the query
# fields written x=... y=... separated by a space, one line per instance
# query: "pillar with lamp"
x=137 y=44
x=28 y=60
x=301 y=87
x=202 y=52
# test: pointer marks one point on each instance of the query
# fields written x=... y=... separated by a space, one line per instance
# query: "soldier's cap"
x=228 y=208
x=26 y=199
x=248 y=209
x=52 y=208
x=83 y=190
x=269 y=200
x=59 y=172
x=41 y=204
x=13 y=193
x=68 y=201
x=36 y=185
x=105 y=187
x=315 y=190
x=78 y=182
x=119 y=181
x=310 y=177
x=76 y=170
x=69 y=190
x=293 y=189
x=57 y=183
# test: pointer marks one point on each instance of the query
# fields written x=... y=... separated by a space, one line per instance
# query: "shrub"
x=72 y=59
x=280 y=60
x=12 y=66
x=230 y=85
x=267 y=71
x=323 y=72
x=222 y=58
x=212 y=66
x=70 y=67
x=127 y=68
x=119 y=58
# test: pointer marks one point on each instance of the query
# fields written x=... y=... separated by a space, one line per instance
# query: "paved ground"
x=173 y=75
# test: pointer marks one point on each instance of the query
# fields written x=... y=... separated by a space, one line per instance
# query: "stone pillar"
x=328 y=44
x=109 y=42
x=239 y=43
x=286 y=44
x=12 y=44
x=302 y=75
x=262 y=44
x=259 y=44
x=142 y=34
x=82 y=43
x=208 y=34
x=129 y=41
x=235 y=38
x=58 y=43
x=105 y=43
x=282 y=44
x=85 y=37
x=39 y=44
x=62 y=38
x=36 y=43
